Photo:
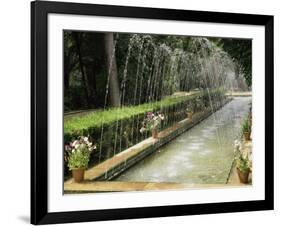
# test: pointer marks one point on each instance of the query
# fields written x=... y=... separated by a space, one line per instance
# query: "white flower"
x=237 y=145
x=142 y=130
x=245 y=155
x=86 y=139
x=74 y=143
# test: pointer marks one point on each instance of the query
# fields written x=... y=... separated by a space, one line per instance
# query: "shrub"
x=246 y=126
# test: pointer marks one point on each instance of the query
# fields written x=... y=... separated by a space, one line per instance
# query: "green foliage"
x=197 y=104
x=246 y=126
x=103 y=118
x=243 y=163
x=88 y=91
x=241 y=51
x=152 y=121
x=99 y=118
x=151 y=73
x=77 y=153
x=79 y=159
x=189 y=110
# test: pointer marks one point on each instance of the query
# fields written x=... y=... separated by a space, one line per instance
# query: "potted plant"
x=237 y=146
x=79 y=152
x=246 y=129
x=250 y=114
x=243 y=166
x=199 y=105
x=152 y=123
x=189 y=113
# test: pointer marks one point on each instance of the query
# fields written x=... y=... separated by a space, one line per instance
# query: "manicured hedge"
x=115 y=130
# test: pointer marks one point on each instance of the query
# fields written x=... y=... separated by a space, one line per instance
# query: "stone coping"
x=239 y=94
x=117 y=186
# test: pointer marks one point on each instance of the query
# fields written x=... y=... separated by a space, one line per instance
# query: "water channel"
x=202 y=155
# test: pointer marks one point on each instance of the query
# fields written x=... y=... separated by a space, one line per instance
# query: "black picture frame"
x=39 y=112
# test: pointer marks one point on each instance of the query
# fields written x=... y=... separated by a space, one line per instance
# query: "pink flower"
x=67 y=147
x=150 y=115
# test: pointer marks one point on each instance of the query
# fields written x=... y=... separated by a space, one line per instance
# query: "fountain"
x=154 y=71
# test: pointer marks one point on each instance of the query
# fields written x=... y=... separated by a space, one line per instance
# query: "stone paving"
x=116 y=186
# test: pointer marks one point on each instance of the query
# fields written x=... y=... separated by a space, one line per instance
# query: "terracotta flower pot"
x=78 y=175
x=189 y=115
x=155 y=133
x=247 y=136
x=243 y=176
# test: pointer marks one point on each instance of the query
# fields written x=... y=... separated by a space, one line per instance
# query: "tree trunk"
x=77 y=40
x=114 y=90
x=66 y=80
x=92 y=86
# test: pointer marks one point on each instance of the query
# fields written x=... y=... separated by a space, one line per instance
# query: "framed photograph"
x=145 y=112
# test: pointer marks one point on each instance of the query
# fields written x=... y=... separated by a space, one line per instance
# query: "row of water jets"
x=162 y=71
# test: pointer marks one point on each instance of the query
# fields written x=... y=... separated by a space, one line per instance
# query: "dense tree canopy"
x=106 y=69
x=241 y=51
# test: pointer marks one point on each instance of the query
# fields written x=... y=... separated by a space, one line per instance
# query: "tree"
x=70 y=58
x=114 y=90
x=77 y=37
x=94 y=63
x=241 y=51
